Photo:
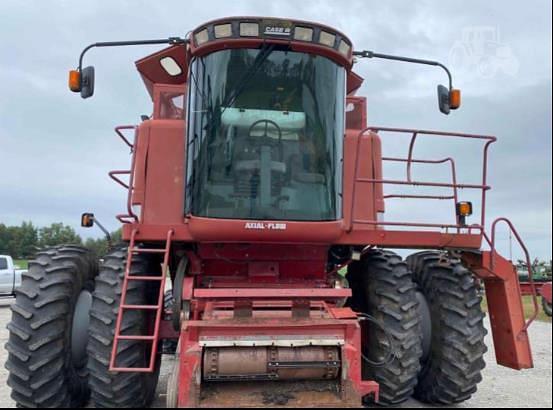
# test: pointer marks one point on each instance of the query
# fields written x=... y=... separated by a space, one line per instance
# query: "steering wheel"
x=265 y=139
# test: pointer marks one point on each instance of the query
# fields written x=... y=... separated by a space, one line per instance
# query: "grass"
x=21 y=263
x=528 y=308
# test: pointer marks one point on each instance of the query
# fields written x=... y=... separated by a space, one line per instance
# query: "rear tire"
x=43 y=369
x=169 y=345
x=382 y=288
x=547 y=307
x=452 y=370
x=111 y=389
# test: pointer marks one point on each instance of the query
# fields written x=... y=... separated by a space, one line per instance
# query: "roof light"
x=201 y=37
x=327 y=39
x=344 y=48
x=303 y=34
x=223 y=30
x=249 y=29
x=170 y=66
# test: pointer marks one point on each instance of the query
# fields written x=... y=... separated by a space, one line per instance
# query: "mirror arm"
x=371 y=54
x=103 y=229
x=170 y=40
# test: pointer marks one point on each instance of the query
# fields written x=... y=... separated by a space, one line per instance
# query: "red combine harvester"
x=254 y=185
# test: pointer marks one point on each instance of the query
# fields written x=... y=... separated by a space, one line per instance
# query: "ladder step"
x=158 y=278
x=140 y=307
x=148 y=250
x=131 y=370
x=135 y=338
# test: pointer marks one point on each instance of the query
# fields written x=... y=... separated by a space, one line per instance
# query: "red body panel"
x=509 y=327
x=164 y=182
x=218 y=331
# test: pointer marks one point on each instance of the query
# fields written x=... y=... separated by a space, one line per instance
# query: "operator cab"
x=265 y=135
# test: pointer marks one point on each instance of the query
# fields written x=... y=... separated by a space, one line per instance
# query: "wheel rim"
x=79 y=329
x=426 y=325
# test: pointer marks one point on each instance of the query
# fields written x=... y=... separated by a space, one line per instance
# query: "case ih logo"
x=278 y=31
x=261 y=226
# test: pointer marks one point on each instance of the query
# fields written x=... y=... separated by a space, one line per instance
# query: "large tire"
x=169 y=345
x=111 y=389
x=547 y=307
x=382 y=288
x=453 y=364
x=43 y=370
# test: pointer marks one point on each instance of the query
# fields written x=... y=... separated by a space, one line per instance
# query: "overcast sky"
x=55 y=149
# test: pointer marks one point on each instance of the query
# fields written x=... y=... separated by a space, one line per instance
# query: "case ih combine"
x=254 y=184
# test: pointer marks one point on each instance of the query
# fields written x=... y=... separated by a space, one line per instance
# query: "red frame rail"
x=454 y=185
x=130 y=216
x=492 y=243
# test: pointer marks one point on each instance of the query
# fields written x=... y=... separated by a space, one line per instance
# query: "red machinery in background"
x=541 y=288
x=254 y=185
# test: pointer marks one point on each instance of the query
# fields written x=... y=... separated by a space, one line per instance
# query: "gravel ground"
x=501 y=387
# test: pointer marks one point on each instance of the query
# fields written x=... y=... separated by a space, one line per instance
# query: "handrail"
x=130 y=217
x=410 y=160
x=427 y=161
x=118 y=130
x=113 y=175
x=492 y=243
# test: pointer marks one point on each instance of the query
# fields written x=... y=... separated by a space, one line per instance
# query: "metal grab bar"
x=130 y=217
x=492 y=243
x=454 y=197
x=114 y=175
x=118 y=130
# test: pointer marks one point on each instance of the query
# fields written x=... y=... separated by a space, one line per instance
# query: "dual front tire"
x=429 y=310
x=62 y=329
x=45 y=367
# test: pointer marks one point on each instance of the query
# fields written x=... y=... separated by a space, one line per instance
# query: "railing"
x=492 y=243
x=409 y=181
x=130 y=216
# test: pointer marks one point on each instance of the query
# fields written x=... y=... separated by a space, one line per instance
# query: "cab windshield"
x=265 y=136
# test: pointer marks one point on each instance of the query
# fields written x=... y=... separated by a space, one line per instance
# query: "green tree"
x=100 y=245
x=18 y=241
x=4 y=238
x=58 y=234
x=26 y=240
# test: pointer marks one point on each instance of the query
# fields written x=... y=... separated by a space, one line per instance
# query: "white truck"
x=10 y=276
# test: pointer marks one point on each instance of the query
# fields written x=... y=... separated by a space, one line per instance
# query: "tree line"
x=22 y=242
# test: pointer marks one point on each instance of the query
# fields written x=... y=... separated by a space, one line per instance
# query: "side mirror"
x=87 y=82
x=448 y=99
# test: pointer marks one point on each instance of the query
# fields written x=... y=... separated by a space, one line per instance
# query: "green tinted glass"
x=265 y=136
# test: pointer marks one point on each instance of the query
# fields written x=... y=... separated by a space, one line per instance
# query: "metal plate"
x=282 y=341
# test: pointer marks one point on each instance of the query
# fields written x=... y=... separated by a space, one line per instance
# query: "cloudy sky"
x=55 y=148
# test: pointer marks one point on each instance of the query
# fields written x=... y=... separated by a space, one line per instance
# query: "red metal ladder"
x=158 y=308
